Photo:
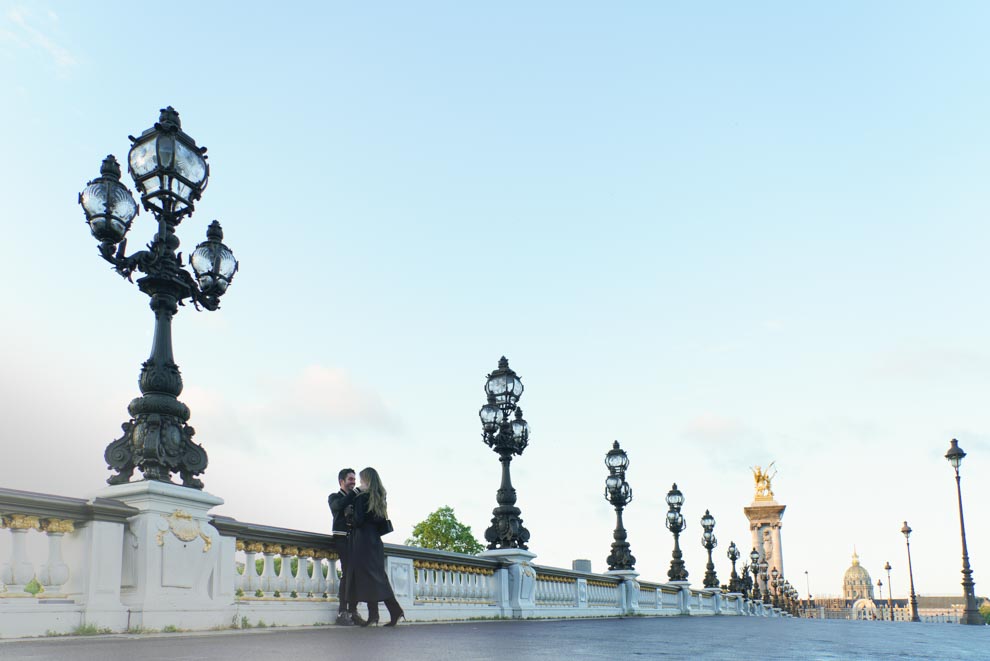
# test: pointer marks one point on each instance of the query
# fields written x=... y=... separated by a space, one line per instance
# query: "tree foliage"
x=442 y=531
x=985 y=610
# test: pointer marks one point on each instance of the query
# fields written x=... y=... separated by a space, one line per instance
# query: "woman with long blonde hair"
x=366 y=578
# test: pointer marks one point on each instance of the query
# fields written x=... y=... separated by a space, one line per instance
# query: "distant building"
x=858 y=602
x=856 y=584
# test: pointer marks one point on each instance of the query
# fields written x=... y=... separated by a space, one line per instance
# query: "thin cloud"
x=315 y=403
x=716 y=429
x=931 y=363
x=25 y=32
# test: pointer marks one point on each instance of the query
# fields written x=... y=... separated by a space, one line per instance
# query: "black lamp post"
x=971 y=615
x=906 y=531
x=774 y=578
x=676 y=524
x=754 y=565
x=507 y=438
x=619 y=493
x=746 y=582
x=170 y=172
x=765 y=577
x=709 y=541
x=890 y=592
x=733 y=555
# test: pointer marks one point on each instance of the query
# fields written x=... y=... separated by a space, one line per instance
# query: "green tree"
x=441 y=530
x=985 y=610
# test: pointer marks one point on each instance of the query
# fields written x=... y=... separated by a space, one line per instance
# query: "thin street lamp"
x=972 y=614
x=906 y=531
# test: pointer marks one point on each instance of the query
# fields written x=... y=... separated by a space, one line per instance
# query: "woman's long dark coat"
x=366 y=579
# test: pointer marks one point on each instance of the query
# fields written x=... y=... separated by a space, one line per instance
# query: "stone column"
x=778 y=552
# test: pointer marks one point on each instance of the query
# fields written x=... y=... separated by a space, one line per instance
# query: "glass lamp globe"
x=168 y=168
x=504 y=385
x=520 y=428
x=213 y=262
x=955 y=454
x=675 y=498
x=616 y=459
x=108 y=205
x=491 y=416
x=612 y=483
x=708 y=521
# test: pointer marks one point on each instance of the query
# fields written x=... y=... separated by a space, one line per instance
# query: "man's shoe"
x=344 y=620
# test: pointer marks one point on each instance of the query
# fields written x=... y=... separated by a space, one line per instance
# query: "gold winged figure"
x=762 y=479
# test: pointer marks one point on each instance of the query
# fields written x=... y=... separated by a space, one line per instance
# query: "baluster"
x=17 y=573
x=55 y=572
x=333 y=580
x=313 y=566
x=473 y=591
x=286 y=583
x=321 y=580
x=252 y=582
x=446 y=577
x=303 y=581
x=240 y=579
x=419 y=580
x=269 y=580
x=460 y=591
x=431 y=580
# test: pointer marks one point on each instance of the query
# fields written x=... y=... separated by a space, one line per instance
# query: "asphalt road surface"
x=691 y=638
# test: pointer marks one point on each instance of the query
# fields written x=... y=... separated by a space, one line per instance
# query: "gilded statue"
x=762 y=478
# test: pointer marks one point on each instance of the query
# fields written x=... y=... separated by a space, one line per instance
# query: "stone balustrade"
x=154 y=558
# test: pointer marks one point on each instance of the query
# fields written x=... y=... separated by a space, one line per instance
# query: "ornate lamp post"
x=765 y=577
x=971 y=615
x=906 y=531
x=774 y=582
x=709 y=541
x=746 y=582
x=619 y=493
x=507 y=438
x=890 y=591
x=754 y=565
x=676 y=524
x=170 y=172
x=733 y=555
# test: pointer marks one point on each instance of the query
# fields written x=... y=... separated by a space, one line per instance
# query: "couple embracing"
x=360 y=518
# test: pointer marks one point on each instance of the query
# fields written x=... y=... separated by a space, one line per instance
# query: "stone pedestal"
x=516 y=580
x=176 y=569
x=629 y=589
x=684 y=596
x=765 y=516
x=716 y=594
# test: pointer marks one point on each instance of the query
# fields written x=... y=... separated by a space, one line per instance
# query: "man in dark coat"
x=341 y=529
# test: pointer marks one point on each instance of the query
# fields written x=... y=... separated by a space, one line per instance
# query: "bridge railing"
x=70 y=562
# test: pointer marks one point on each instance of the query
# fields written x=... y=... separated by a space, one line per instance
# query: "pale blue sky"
x=722 y=235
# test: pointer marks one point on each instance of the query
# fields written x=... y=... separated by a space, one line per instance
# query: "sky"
x=722 y=234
